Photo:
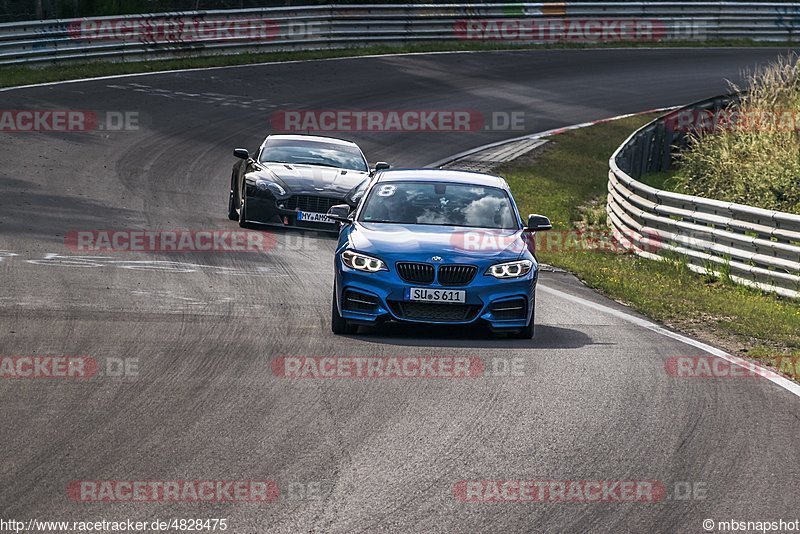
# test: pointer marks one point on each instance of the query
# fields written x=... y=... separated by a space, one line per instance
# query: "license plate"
x=308 y=216
x=436 y=295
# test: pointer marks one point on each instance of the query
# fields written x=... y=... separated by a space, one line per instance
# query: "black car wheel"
x=528 y=331
x=243 y=211
x=232 y=214
x=339 y=324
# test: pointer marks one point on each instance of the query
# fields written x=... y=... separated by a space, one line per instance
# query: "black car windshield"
x=439 y=203
x=311 y=152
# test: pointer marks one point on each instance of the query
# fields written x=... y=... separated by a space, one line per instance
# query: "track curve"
x=594 y=402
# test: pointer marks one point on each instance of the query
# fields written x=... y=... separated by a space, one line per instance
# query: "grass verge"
x=567 y=182
x=25 y=75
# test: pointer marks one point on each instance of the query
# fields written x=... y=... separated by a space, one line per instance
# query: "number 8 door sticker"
x=386 y=190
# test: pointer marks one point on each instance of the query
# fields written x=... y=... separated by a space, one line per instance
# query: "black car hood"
x=314 y=179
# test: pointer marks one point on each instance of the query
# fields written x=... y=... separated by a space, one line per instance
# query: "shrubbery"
x=752 y=162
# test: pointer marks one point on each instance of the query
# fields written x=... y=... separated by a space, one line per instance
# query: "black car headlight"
x=510 y=269
x=272 y=187
x=362 y=262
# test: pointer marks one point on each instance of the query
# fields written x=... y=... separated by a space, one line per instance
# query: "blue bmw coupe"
x=436 y=247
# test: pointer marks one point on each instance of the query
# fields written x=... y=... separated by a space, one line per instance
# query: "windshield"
x=439 y=203
x=310 y=152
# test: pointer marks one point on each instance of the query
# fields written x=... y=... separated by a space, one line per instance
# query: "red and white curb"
x=488 y=152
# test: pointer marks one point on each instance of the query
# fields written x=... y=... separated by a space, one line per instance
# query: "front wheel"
x=339 y=324
x=243 y=211
x=232 y=215
x=527 y=332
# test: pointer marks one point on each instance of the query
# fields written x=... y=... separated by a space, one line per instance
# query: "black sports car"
x=295 y=179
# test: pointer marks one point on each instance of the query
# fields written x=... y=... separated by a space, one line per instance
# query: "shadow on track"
x=547 y=337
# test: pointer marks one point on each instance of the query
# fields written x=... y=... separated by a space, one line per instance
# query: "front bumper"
x=371 y=298
x=263 y=208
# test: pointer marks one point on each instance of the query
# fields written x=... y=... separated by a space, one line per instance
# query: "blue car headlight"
x=511 y=269
x=362 y=262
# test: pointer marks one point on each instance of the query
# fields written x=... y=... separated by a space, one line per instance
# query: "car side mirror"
x=241 y=153
x=339 y=212
x=538 y=223
x=380 y=166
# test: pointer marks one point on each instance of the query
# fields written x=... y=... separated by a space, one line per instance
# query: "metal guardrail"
x=753 y=246
x=168 y=35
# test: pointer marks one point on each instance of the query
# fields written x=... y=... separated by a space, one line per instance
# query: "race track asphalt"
x=594 y=401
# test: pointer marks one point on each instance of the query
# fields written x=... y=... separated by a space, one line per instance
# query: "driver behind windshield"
x=439 y=204
x=303 y=152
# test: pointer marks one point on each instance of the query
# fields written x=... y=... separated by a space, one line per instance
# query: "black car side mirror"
x=380 y=166
x=339 y=212
x=241 y=153
x=538 y=223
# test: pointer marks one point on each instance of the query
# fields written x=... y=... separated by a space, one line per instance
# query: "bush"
x=751 y=161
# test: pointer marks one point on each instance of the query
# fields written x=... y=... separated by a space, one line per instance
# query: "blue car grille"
x=425 y=273
x=431 y=311
x=456 y=275
x=417 y=273
x=311 y=203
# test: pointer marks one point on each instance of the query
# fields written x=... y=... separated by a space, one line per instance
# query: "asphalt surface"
x=593 y=403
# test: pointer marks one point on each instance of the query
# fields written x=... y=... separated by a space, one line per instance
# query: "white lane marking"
x=402 y=54
x=55 y=259
x=203 y=98
x=6 y=254
x=785 y=383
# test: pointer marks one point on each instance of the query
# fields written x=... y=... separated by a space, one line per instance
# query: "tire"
x=525 y=333
x=232 y=214
x=528 y=331
x=339 y=324
x=243 y=211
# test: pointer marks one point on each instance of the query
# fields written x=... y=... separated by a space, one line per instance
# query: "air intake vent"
x=311 y=203
x=510 y=310
x=429 y=311
x=355 y=301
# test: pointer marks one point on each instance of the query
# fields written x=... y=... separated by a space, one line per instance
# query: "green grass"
x=572 y=170
x=25 y=75
x=660 y=180
x=567 y=182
